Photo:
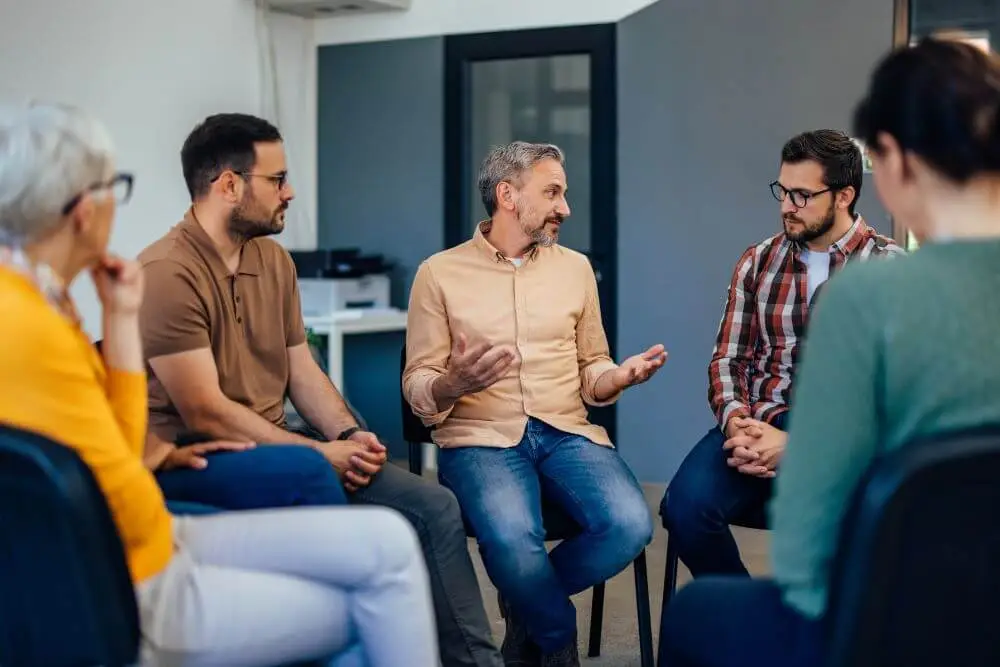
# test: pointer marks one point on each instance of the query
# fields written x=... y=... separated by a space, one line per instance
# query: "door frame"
x=599 y=42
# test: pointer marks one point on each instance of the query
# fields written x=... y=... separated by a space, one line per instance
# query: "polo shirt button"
x=239 y=320
x=237 y=299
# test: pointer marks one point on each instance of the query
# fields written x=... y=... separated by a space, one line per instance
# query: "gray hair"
x=507 y=163
x=49 y=154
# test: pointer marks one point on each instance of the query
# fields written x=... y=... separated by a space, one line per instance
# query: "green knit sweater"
x=896 y=349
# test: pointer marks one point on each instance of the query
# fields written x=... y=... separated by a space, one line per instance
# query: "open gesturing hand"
x=473 y=367
x=640 y=367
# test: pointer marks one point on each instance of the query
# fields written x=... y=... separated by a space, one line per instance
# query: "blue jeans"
x=704 y=498
x=501 y=492
x=262 y=477
x=737 y=622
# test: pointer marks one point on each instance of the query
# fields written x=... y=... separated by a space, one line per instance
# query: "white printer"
x=336 y=280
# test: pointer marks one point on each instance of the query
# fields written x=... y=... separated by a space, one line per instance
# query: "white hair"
x=49 y=154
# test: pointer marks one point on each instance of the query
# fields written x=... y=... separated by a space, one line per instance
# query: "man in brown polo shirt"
x=226 y=345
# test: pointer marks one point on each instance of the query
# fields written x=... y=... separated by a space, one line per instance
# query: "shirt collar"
x=479 y=239
x=250 y=259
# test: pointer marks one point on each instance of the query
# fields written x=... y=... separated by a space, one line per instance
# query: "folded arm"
x=729 y=370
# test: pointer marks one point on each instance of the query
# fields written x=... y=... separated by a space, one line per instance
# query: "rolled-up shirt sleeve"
x=592 y=350
x=428 y=346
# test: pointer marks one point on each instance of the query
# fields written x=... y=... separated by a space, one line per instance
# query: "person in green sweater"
x=896 y=351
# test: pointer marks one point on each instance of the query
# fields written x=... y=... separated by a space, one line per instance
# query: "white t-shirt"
x=818 y=265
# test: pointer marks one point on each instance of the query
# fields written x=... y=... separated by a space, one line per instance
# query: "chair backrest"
x=916 y=580
x=66 y=597
x=413 y=429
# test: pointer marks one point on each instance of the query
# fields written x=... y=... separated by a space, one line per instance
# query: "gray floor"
x=620 y=647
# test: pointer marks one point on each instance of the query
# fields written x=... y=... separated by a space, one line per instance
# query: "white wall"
x=151 y=71
x=446 y=17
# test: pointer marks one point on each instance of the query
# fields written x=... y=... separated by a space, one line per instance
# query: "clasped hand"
x=357 y=460
x=755 y=447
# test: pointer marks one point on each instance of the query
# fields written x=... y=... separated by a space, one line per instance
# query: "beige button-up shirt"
x=547 y=308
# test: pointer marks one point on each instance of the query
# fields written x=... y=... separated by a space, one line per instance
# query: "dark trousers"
x=263 y=477
x=463 y=629
x=702 y=501
x=737 y=622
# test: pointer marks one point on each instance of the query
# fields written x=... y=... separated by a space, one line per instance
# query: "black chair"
x=66 y=597
x=915 y=581
x=558 y=526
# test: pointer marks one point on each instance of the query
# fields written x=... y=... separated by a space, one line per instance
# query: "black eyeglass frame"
x=280 y=179
x=120 y=177
x=780 y=192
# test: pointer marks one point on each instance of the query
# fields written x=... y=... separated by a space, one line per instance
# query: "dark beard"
x=809 y=234
x=244 y=225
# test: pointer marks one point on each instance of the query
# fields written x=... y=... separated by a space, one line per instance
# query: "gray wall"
x=381 y=151
x=709 y=90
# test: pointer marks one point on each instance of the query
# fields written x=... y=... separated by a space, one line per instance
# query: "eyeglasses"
x=280 y=179
x=800 y=198
x=120 y=187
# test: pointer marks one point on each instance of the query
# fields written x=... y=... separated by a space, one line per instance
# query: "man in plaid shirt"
x=728 y=475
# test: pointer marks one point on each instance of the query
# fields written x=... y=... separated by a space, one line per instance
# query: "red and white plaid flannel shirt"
x=757 y=346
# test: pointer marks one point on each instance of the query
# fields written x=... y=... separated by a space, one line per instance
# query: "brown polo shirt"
x=248 y=319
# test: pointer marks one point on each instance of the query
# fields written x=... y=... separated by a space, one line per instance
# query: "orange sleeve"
x=60 y=392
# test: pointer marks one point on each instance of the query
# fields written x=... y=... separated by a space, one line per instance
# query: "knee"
x=439 y=510
x=513 y=544
x=682 y=503
x=628 y=523
x=398 y=547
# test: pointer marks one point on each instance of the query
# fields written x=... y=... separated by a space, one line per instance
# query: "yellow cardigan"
x=53 y=382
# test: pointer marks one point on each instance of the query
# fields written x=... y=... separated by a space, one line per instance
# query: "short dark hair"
x=220 y=142
x=836 y=152
x=940 y=100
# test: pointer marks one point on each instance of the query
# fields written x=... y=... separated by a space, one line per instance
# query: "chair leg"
x=669 y=586
x=596 y=621
x=416 y=452
x=642 y=609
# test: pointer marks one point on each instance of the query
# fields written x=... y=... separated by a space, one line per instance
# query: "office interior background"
x=672 y=115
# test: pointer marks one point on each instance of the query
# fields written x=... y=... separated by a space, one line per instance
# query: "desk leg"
x=335 y=360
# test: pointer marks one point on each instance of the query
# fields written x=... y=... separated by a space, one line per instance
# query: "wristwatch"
x=347 y=433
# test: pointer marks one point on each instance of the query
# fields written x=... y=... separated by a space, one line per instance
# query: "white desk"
x=339 y=324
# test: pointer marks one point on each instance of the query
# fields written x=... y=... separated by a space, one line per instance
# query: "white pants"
x=268 y=588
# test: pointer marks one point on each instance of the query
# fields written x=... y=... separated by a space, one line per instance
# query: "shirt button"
x=237 y=299
x=239 y=320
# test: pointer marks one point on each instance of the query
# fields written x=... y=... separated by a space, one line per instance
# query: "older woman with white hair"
x=249 y=588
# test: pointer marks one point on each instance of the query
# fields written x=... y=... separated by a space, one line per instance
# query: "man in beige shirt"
x=505 y=347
